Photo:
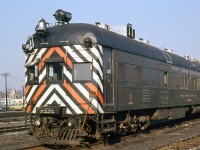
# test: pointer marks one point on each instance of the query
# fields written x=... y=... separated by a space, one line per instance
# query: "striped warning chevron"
x=75 y=96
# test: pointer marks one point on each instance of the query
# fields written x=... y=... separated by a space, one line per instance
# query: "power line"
x=5 y=75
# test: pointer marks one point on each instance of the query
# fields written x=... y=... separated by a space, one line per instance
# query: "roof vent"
x=192 y=59
x=125 y=30
x=102 y=25
x=144 y=41
x=187 y=57
x=168 y=50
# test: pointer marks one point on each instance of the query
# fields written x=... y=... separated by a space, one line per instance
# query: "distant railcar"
x=83 y=81
x=17 y=105
x=3 y=103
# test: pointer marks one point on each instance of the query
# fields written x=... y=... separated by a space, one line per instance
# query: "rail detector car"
x=84 y=81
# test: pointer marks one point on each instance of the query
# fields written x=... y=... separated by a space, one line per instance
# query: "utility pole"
x=6 y=75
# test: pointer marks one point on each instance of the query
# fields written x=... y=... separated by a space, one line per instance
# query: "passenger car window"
x=121 y=72
x=138 y=75
x=165 y=79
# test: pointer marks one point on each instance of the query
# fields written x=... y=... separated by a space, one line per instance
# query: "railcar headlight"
x=38 y=122
x=71 y=123
x=41 y=26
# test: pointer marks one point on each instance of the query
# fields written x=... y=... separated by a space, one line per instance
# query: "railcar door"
x=107 y=72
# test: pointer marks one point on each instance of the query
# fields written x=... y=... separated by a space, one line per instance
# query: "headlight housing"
x=71 y=123
x=38 y=122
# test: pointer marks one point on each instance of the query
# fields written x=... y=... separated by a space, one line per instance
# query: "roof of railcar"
x=75 y=34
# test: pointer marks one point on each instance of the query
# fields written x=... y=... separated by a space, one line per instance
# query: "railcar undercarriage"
x=62 y=129
x=51 y=124
x=71 y=130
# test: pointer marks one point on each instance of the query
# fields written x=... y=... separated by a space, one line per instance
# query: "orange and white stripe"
x=75 y=95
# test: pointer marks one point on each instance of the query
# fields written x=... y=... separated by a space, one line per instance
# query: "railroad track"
x=121 y=141
x=9 y=119
x=191 y=142
x=13 y=129
x=169 y=127
x=35 y=148
x=144 y=138
x=12 y=114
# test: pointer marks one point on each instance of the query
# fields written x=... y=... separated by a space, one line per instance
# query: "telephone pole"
x=6 y=75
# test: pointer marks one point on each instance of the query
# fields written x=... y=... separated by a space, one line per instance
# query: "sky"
x=172 y=24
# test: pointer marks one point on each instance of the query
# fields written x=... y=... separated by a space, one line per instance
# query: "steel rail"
x=14 y=128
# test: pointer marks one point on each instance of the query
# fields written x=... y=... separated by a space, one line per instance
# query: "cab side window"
x=32 y=74
x=55 y=71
